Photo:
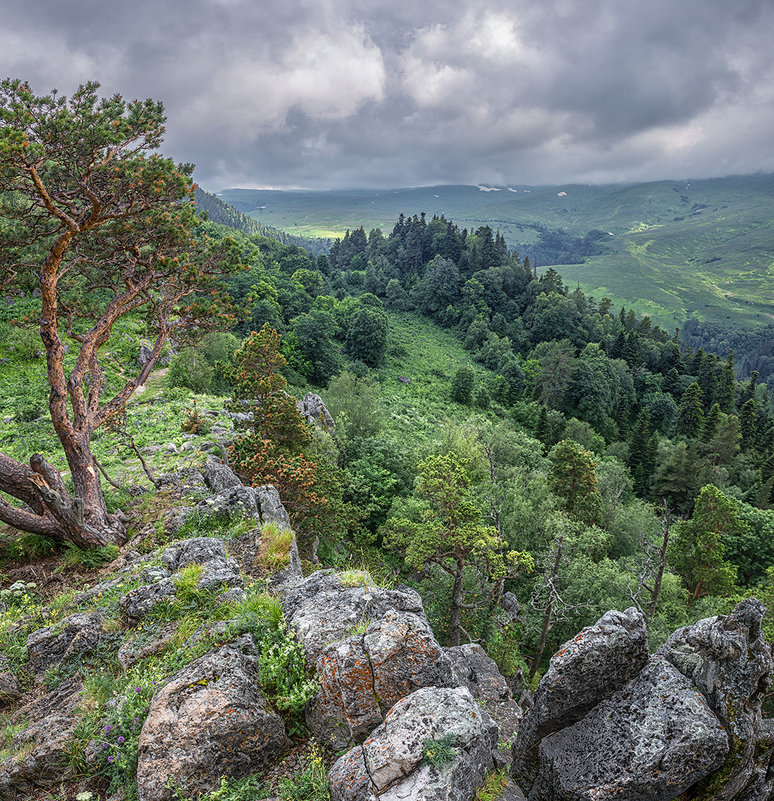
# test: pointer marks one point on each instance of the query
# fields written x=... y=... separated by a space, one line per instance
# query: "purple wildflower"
x=111 y=758
x=120 y=740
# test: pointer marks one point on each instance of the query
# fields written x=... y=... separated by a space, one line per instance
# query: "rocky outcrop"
x=650 y=741
x=313 y=410
x=587 y=669
x=689 y=720
x=209 y=720
x=220 y=477
x=362 y=676
x=9 y=685
x=396 y=763
x=729 y=661
x=479 y=673
x=326 y=606
x=45 y=746
x=270 y=504
x=49 y=647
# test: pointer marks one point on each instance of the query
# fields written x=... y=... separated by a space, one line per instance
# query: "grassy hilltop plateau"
x=353 y=495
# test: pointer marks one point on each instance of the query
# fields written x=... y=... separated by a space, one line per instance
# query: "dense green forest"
x=690 y=254
x=623 y=467
x=525 y=455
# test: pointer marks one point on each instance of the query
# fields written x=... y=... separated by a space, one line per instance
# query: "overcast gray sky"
x=387 y=93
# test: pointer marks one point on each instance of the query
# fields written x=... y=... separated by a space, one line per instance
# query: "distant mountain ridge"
x=221 y=212
x=696 y=254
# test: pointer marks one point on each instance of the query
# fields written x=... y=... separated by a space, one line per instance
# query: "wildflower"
x=108 y=728
x=120 y=740
x=111 y=758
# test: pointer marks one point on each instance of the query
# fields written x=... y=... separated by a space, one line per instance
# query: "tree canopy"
x=101 y=226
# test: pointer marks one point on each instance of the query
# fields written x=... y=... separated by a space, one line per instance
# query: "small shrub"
x=310 y=784
x=245 y=789
x=274 y=547
x=462 y=385
x=190 y=369
x=89 y=558
x=283 y=676
x=493 y=786
x=194 y=422
x=354 y=578
x=25 y=344
x=439 y=753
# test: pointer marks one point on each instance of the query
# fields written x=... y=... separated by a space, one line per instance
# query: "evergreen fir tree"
x=671 y=383
x=637 y=451
x=726 y=385
x=749 y=425
x=543 y=430
x=690 y=413
x=711 y=423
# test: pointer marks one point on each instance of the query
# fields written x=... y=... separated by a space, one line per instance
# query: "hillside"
x=700 y=250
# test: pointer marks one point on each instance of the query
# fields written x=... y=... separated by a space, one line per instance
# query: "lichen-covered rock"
x=44 y=762
x=391 y=764
x=363 y=676
x=650 y=741
x=51 y=646
x=9 y=686
x=209 y=720
x=479 y=673
x=139 y=601
x=196 y=551
x=218 y=570
x=220 y=477
x=314 y=411
x=235 y=500
x=325 y=606
x=729 y=661
x=270 y=504
x=282 y=581
x=588 y=668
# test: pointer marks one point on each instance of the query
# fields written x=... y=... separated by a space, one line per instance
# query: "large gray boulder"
x=362 y=676
x=479 y=673
x=391 y=764
x=729 y=661
x=651 y=741
x=233 y=500
x=49 y=647
x=272 y=510
x=209 y=720
x=45 y=761
x=587 y=669
x=220 y=477
x=326 y=606
x=218 y=570
x=10 y=689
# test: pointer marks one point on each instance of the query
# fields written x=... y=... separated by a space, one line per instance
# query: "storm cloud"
x=334 y=93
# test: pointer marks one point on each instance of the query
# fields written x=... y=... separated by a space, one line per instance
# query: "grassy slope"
x=681 y=248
